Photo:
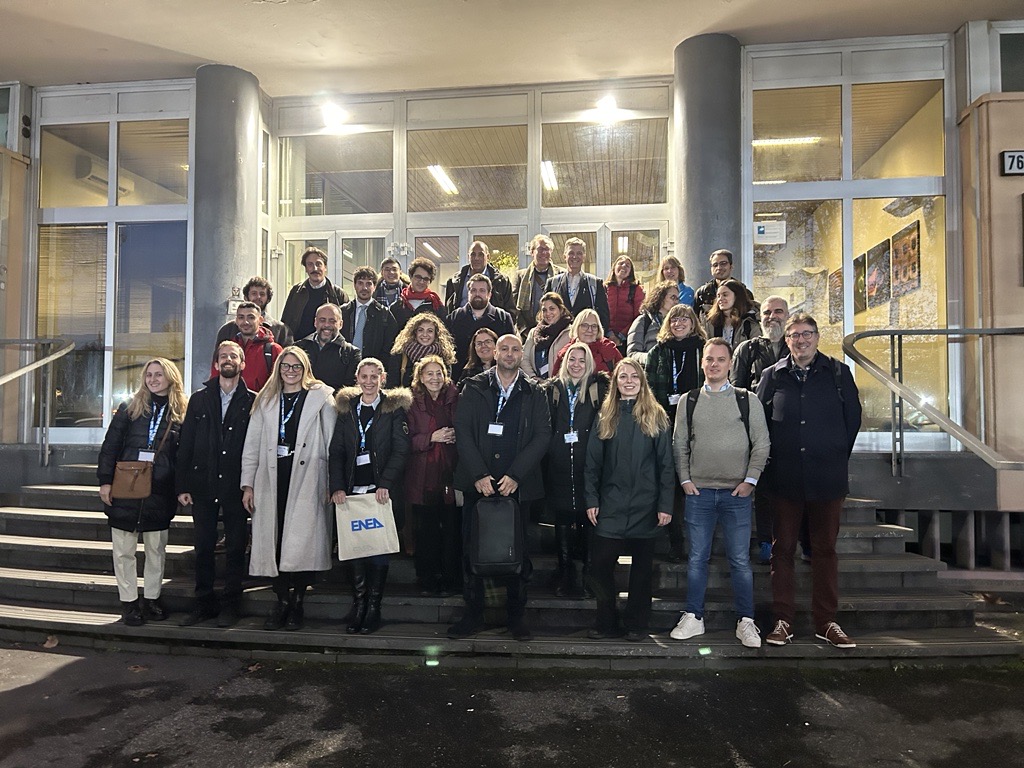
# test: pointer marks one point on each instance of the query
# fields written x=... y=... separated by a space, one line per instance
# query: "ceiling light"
x=312 y=201
x=547 y=176
x=433 y=250
x=769 y=213
x=774 y=181
x=793 y=140
x=607 y=110
x=623 y=244
x=442 y=179
x=333 y=115
x=184 y=166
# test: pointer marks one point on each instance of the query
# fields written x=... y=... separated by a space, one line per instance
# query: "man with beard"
x=531 y=282
x=456 y=290
x=479 y=313
x=259 y=291
x=749 y=361
x=502 y=431
x=306 y=297
x=721 y=270
x=259 y=349
x=208 y=477
x=367 y=324
x=334 y=360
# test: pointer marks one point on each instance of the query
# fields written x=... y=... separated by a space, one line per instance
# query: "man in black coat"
x=502 y=430
x=208 y=477
x=580 y=290
x=334 y=360
x=304 y=298
x=456 y=290
x=812 y=407
x=259 y=291
x=721 y=270
x=478 y=313
x=368 y=325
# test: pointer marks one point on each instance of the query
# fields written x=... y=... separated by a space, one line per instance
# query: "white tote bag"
x=365 y=528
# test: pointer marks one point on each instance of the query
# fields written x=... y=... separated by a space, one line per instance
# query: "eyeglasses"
x=590 y=327
x=679 y=319
x=292 y=367
x=421 y=277
x=805 y=335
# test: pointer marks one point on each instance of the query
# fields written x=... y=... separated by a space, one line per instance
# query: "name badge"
x=147 y=455
x=283 y=451
x=495 y=429
x=544 y=369
x=572 y=437
x=362 y=458
x=674 y=399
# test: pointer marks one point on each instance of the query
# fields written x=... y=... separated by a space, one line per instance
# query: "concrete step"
x=88 y=525
x=80 y=555
x=56 y=496
x=418 y=643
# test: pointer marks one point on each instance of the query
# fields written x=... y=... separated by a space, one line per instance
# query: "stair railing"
x=900 y=393
x=55 y=349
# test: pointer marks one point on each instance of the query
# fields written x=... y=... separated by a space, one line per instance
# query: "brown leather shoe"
x=833 y=635
x=780 y=635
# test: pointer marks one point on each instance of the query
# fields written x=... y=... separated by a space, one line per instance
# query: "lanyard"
x=573 y=397
x=572 y=293
x=362 y=430
x=154 y=423
x=676 y=371
x=503 y=395
x=284 y=418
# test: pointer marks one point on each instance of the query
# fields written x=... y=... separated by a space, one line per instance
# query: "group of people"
x=613 y=411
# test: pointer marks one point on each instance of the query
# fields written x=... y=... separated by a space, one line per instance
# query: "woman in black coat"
x=574 y=398
x=367 y=455
x=145 y=428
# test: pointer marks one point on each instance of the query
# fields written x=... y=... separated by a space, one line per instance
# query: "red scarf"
x=408 y=295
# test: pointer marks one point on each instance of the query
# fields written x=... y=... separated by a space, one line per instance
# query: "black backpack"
x=742 y=402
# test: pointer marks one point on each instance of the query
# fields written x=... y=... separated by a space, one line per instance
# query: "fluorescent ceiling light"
x=607 y=110
x=433 y=250
x=793 y=140
x=347 y=253
x=769 y=213
x=312 y=201
x=774 y=181
x=442 y=179
x=547 y=176
x=333 y=115
x=623 y=244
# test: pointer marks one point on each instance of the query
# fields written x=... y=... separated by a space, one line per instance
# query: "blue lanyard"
x=362 y=430
x=154 y=423
x=284 y=418
x=503 y=395
x=573 y=397
x=675 y=371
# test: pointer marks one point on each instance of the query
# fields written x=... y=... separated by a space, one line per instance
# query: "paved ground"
x=74 y=708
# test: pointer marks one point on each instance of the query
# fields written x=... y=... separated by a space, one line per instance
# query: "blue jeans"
x=703 y=513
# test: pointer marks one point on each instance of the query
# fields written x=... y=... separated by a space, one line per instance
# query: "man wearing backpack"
x=257 y=343
x=721 y=446
x=813 y=408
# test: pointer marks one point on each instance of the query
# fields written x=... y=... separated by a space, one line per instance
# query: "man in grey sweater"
x=719 y=459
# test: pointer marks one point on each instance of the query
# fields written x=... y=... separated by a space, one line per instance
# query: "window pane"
x=797 y=134
x=897 y=130
x=5 y=116
x=264 y=172
x=623 y=163
x=72 y=305
x=359 y=252
x=504 y=252
x=149 y=312
x=467 y=169
x=643 y=246
x=152 y=162
x=1011 y=60
x=901 y=252
x=336 y=174
x=443 y=250
x=558 y=254
x=73 y=165
x=799 y=257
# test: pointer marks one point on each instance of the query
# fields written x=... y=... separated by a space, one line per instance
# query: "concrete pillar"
x=707 y=153
x=226 y=198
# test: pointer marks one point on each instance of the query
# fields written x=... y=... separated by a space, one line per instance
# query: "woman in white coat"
x=284 y=483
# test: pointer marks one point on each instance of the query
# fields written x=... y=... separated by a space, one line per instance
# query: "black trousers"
x=474 y=587
x=236 y=535
x=438 y=534
x=604 y=554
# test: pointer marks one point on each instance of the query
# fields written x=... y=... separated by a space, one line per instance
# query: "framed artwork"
x=860 y=295
x=877 y=281
x=906 y=260
x=835 y=297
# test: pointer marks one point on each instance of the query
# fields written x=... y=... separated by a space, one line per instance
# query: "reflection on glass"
x=643 y=246
x=624 y=163
x=558 y=253
x=504 y=252
x=467 y=169
x=897 y=130
x=1011 y=61
x=74 y=165
x=900 y=247
x=799 y=256
x=72 y=305
x=149 y=310
x=360 y=252
x=336 y=174
x=443 y=250
x=152 y=162
x=797 y=134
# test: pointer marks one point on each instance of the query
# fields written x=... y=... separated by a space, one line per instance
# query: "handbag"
x=365 y=527
x=134 y=479
x=496 y=543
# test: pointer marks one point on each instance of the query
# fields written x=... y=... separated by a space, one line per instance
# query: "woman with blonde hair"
x=547 y=337
x=587 y=328
x=733 y=316
x=423 y=335
x=629 y=481
x=145 y=428
x=284 y=483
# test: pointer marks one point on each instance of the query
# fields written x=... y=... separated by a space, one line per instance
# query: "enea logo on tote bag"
x=366 y=525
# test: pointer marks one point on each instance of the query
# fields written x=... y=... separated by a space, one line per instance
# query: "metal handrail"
x=900 y=392
x=45 y=405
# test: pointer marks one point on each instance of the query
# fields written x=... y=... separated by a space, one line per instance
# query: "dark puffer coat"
x=388 y=442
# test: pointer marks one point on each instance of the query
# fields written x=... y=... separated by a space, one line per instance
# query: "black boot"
x=566 y=586
x=376 y=578
x=278 y=614
x=131 y=613
x=295 y=609
x=153 y=610
x=354 y=618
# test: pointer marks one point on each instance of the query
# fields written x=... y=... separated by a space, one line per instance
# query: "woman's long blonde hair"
x=444 y=338
x=272 y=388
x=696 y=329
x=139 y=404
x=588 y=369
x=647 y=412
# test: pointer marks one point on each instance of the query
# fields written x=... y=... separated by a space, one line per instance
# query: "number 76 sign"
x=1012 y=162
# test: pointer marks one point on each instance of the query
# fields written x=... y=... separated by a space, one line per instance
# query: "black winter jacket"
x=209 y=464
x=378 y=335
x=388 y=442
x=123 y=441
x=501 y=289
x=751 y=359
x=335 y=364
x=294 y=305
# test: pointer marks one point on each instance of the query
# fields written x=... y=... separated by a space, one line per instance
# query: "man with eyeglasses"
x=368 y=325
x=721 y=270
x=531 y=282
x=417 y=297
x=456 y=290
x=813 y=411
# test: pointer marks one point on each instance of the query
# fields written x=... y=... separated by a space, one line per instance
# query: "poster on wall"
x=835 y=297
x=860 y=296
x=906 y=260
x=877 y=285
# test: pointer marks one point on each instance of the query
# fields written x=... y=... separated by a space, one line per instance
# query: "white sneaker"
x=748 y=633
x=689 y=626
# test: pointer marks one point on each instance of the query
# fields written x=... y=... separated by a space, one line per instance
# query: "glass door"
x=449 y=248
